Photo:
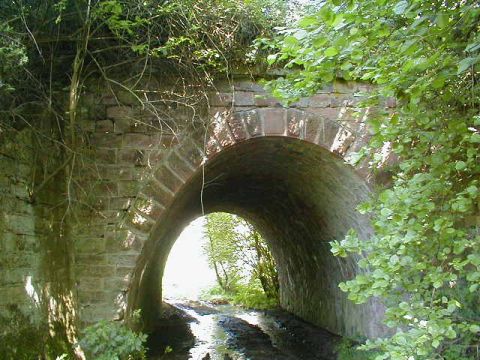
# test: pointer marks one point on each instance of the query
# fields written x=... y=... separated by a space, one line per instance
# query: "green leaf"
x=400 y=7
x=290 y=40
x=442 y=20
x=308 y=21
x=473 y=47
x=271 y=59
x=331 y=51
x=475 y=138
x=460 y=165
x=466 y=64
x=439 y=81
x=474 y=328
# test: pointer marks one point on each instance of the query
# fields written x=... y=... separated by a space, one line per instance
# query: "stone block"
x=238 y=127
x=190 y=151
x=221 y=132
x=253 y=122
x=103 y=126
x=127 y=188
x=122 y=260
x=165 y=176
x=153 y=211
x=344 y=87
x=247 y=85
x=19 y=224
x=134 y=157
x=153 y=158
x=274 y=121
x=94 y=270
x=107 y=140
x=127 y=98
x=218 y=111
x=302 y=103
x=296 y=123
x=118 y=283
x=139 y=141
x=13 y=295
x=344 y=100
x=124 y=125
x=120 y=112
x=243 y=98
x=179 y=167
x=109 y=100
x=90 y=284
x=263 y=100
x=332 y=114
x=89 y=245
x=221 y=99
x=91 y=259
x=320 y=100
x=124 y=271
x=119 y=203
x=212 y=147
x=87 y=125
x=391 y=102
x=104 y=188
x=342 y=141
x=91 y=297
x=118 y=240
x=313 y=126
x=159 y=195
x=108 y=156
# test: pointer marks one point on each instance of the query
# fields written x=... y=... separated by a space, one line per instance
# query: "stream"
x=202 y=331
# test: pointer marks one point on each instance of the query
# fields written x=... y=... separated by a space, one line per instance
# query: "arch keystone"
x=274 y=121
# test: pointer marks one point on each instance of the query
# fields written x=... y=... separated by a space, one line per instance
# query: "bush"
x=112 y=340
x=347 y=350
x=250 y=295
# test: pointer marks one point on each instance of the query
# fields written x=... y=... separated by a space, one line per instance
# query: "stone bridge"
x=285 y=169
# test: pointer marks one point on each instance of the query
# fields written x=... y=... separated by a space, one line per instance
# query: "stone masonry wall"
x=19 y=244
x=141 y=164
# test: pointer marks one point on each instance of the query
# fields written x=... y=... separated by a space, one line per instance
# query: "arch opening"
x=188 y=274
x=299 y=196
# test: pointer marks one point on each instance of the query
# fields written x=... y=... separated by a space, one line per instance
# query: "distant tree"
x=239 y=255
x=221 y=249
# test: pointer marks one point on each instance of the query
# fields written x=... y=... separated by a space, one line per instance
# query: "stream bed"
x=202 y=331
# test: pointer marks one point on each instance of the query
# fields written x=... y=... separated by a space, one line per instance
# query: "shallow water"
x=196 y=330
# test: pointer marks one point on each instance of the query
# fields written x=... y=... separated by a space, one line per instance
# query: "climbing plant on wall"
x=424 y=260
x=52 y=53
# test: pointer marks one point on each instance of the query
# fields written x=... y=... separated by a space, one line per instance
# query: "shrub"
x=112 y=340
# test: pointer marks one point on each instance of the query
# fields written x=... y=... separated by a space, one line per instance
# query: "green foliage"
x=424 y=258
x=243 y=264
x=12 y=56
x=347 y=350
x=112 y=340
x=250 y=295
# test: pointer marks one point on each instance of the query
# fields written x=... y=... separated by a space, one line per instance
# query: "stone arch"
x=247 y=150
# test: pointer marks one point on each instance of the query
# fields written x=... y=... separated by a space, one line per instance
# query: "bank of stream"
x=201 y=331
